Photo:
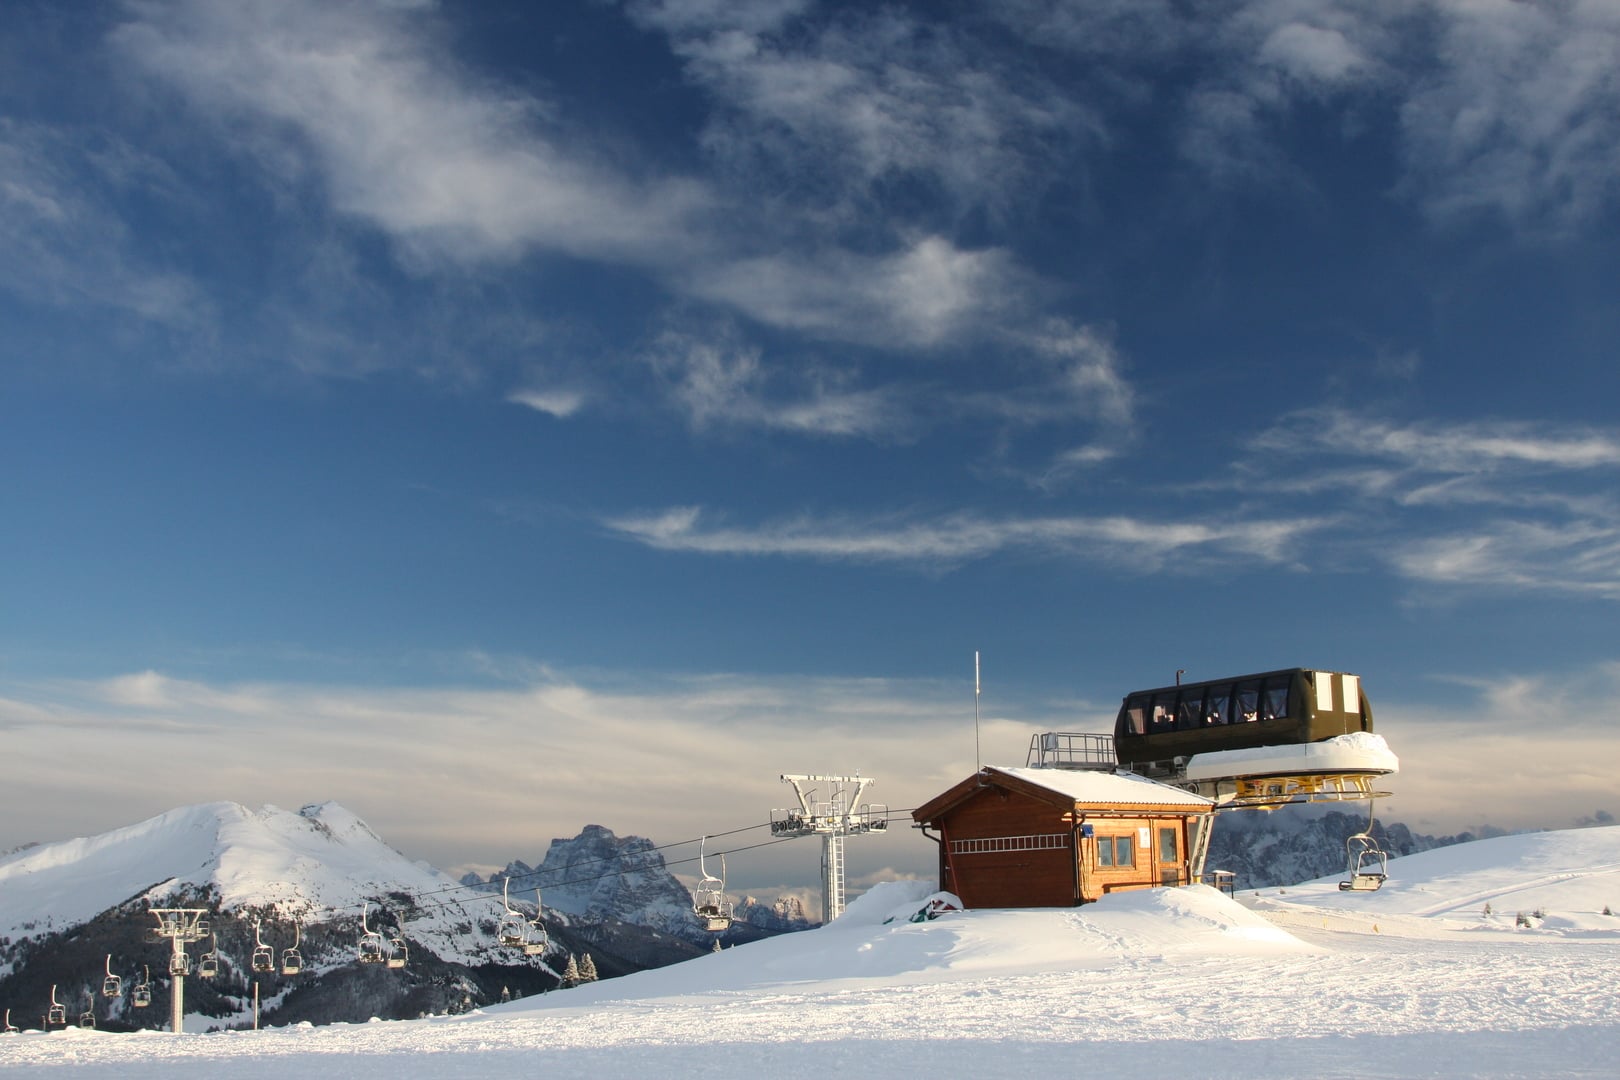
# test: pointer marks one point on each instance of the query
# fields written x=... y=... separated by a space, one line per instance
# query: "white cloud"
x=1498 y=504
x=1460 y=448
x=1311 y=52
x=926 y=293
x=721 y=382
x=370 y=102
x=844 y=103
x=1520 y=114
x=1580 y=557
x=404 y=138
x=1546 y=738
x=956 y=538
x=466 y=776
x=557 y=403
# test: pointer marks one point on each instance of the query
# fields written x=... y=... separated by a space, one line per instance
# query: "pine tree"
x=587 y=969
x=570 y=975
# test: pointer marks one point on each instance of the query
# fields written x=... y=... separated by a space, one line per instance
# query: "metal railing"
x=1071 y=750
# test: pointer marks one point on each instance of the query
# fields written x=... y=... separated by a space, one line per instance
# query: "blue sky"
x=499 y=417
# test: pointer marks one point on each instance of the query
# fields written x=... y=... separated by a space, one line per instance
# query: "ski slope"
x=1414 y=980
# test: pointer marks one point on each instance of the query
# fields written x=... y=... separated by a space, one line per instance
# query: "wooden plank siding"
x=1008 y=843
x=1008 y=878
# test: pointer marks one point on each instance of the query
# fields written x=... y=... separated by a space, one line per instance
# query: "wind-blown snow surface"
x=1310 y=982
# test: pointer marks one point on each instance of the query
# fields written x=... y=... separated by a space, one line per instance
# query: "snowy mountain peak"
x=599 y=875
x=320 y=864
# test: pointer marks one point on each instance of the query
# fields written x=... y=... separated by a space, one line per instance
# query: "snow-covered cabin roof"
x=1089 y=788
x=1098 y=786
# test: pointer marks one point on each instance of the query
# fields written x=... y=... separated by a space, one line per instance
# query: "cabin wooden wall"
x=1048 y=878
x=1007 y=878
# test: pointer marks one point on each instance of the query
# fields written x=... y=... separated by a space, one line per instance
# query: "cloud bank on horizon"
x=799 y=348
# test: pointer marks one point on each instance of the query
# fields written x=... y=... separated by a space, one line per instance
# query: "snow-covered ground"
x=1415 y=980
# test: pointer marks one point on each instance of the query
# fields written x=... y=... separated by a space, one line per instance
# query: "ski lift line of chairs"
x=374 y=949
x=112 y=985
x=709 y=901
x=516 y=930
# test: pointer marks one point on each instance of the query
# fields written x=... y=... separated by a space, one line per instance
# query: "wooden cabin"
x=1045 y=837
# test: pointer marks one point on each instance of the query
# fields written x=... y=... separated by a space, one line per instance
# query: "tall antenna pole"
x=976 y=712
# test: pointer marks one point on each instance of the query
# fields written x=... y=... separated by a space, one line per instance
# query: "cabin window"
x=1218 y=705
x=1116 y=851
x=1246 y=701
x=1190 y=710
x=1164 y=712
x=1274 y=702
x=1136 y=713
x=1167 y=846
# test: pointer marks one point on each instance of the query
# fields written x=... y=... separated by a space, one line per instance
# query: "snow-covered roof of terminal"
x=1100 y=786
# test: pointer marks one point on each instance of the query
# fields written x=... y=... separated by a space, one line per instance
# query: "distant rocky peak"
x=598 y=875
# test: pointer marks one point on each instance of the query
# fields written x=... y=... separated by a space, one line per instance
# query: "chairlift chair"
x=10 y=1028
x=1366 y=864
x=56 y=1015
x=709 y=901
x=263 y=961
x=112 y=985
x=208 y=962
x=513 y=929
x=399 y=955
x=141 y=996
x=87 y=1019
x=292 y=962
x=371 y=942
x=536 y=939
x=180 y=965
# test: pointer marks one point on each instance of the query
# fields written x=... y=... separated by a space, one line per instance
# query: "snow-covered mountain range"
x=317 y=879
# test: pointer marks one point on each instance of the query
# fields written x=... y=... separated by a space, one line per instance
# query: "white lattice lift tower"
x=839 y=815
x=179 y=925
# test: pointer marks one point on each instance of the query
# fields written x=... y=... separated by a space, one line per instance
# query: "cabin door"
x=1171 y=868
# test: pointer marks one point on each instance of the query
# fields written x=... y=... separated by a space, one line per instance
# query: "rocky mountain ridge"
x=72 y=910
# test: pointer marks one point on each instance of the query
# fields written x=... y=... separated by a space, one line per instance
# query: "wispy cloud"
x=924 y=293
x=1580 y=557
x=1475 y=447
x=1058 y=374
x=847 y=103
x=450 y=773
x=404 y=137
x=1501 y=504
x=64 y=245
x=1507 y=109
x=953 y=539
x=720 y=381
x=557 y=403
